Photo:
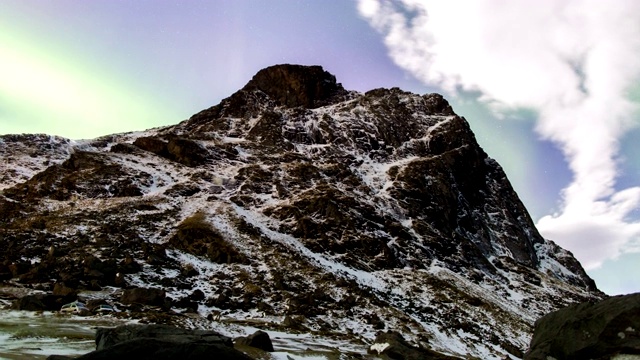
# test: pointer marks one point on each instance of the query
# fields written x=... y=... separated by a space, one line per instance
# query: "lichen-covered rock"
x=604 y=330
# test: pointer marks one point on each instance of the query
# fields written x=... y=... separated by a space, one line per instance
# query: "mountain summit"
x=298 y=205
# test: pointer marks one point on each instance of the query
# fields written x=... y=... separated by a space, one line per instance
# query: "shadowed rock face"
x=596 y=331
x=296 y=85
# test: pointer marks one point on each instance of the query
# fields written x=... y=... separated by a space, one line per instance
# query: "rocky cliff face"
x=350 y=213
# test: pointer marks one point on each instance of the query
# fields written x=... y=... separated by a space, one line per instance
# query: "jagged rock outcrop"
x=296 y=85
x=295 y=197
x=609 y=329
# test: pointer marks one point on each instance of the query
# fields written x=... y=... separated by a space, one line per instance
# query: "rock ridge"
x=293 y=198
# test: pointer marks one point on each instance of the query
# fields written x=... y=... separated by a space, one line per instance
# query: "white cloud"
x=571 y=60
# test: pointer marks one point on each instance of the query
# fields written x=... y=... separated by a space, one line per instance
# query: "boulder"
x=29 y=303
x=152 y=144
x=18 y=268
x=5 y=273
x=189 y=271
x=120 y=280
x=107 y=337
x=294 y=322
x=184 y=151
x=145 y=296
x=123 y=148
x=160 y=349
x=41 y=302
x=187 y=152
x=96 y=269
x=61 y=289
x=128 y=266
x=603 y=330
x=258 y=339
x=185 y=303
x=394 y=346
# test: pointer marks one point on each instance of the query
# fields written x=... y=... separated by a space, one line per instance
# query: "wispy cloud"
x=573 y=61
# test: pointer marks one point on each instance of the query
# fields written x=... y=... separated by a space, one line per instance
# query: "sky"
x=550 y=87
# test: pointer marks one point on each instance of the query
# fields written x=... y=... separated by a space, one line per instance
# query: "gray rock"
x=162 y=349
x=589 y=331
x=41 y=302
x=29 y=303
x=109 y=337
x=259 y=339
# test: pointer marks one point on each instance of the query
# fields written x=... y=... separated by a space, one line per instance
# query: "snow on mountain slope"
x=300 y=205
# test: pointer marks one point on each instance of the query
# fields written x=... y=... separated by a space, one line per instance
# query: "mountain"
x=345 y=213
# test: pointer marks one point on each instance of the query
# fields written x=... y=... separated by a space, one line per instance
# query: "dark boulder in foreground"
x=157 y=342
x=608 y=329
x=258 y=339
x=159 y=349
x=108 y=337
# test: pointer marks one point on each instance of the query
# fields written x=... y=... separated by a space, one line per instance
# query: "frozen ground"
x=36 y=335
x=33 y=335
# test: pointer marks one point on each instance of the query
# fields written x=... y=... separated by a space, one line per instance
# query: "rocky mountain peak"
x=296 y=197
x=296 y=85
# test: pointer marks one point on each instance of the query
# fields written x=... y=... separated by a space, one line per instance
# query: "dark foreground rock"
x=156 y=349
x=108 y=337
x=259 y=340
x=162 y=342
x=607 y=329
x=395 y=347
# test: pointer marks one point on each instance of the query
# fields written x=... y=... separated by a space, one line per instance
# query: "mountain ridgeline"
x=323 y=210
